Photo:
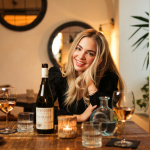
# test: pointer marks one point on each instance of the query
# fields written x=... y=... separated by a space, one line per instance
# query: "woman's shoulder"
x=108 y=82
x=54 y=69
x=110 y=75
x=55 y=74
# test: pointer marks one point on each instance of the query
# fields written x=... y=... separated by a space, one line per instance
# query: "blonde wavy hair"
x=95 y=72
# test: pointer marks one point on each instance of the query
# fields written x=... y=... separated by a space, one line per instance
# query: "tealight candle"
x=67 y=129
x=67 y=126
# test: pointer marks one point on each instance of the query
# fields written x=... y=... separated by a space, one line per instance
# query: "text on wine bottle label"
x=44 y=118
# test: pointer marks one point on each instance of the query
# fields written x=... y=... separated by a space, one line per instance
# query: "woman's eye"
x=78 y=48
x=91 y=54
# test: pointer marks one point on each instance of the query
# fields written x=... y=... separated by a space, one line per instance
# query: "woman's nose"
x=82 y=55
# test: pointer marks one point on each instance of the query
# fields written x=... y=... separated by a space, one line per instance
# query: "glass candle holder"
x=67 y=126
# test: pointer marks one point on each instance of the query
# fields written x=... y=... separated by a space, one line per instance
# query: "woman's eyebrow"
x=91 y=51
x=80 y=46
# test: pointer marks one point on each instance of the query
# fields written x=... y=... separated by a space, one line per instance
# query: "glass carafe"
x=105 y=115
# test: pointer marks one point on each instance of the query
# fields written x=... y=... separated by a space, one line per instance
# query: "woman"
x=89 y=73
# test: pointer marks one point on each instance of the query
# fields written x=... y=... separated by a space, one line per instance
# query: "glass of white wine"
x=8 y=97
x=123 y=104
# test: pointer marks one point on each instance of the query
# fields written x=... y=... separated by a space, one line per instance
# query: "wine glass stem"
x=123 y=132
x=7 y=128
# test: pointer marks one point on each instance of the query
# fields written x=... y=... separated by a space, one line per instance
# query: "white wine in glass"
x=123 y=104
x=123 y=113
x=8 y=99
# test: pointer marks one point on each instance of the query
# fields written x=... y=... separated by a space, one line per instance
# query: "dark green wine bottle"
x=45 y=105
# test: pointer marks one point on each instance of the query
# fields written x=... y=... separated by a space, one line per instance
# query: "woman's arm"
x=86 y=114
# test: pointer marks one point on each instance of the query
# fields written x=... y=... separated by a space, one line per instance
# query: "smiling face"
x=84 y=54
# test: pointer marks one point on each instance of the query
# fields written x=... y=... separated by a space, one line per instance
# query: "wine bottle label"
x=44 y=118
x=44 y=73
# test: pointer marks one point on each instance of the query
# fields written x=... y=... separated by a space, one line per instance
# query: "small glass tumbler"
x=91 y=134
x=25 y=122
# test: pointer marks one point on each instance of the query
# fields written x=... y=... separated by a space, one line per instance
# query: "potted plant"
x=143 y=103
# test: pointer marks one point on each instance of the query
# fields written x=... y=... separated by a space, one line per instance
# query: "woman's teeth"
x=80 y=62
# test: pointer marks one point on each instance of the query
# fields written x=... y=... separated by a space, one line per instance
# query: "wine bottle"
x=45 y=105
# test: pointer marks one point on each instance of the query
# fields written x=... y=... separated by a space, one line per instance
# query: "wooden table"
x=34 y=141
x=28 y=103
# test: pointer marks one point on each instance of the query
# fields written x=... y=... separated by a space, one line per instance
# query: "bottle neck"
x=103 y=103
x=44 y=73
x=44 y=80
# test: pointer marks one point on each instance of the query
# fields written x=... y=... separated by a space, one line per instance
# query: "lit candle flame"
x=67 y=128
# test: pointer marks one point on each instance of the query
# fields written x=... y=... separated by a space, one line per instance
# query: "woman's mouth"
x=79 y=63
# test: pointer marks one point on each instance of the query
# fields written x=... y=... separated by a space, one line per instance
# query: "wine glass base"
x=123 y=143
x=7 y=131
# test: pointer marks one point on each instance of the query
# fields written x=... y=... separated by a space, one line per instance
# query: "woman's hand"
x=86 y=114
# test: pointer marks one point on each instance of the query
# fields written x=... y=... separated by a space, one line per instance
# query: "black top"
x=59 y=85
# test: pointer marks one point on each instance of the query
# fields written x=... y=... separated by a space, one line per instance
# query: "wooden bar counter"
x=34 y=141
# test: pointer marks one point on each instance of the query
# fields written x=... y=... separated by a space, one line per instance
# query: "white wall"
x=131 y=63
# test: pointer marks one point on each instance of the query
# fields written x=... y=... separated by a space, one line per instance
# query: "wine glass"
x=8 y=99
x=123 y=104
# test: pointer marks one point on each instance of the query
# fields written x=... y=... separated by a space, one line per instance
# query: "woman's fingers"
x=93 y=107
x=86 y=114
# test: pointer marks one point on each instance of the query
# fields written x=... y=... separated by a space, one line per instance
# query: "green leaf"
x=144 y=104
x=142 y=38
x=147 y=13
x=138 y=101
x=146 y=58
x=145 y=90
x=147 y=77
x=146 y=29
x=146 y=46
x=141 y=18
x=139 y=41
x=134 y=33
x=147 y=63
x=145 y=96
x=141 y=25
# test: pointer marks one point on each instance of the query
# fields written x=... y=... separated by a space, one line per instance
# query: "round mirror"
x=22 y=15
x=61 y=39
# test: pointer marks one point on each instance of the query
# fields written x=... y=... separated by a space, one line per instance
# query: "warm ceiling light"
x=111 y=22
